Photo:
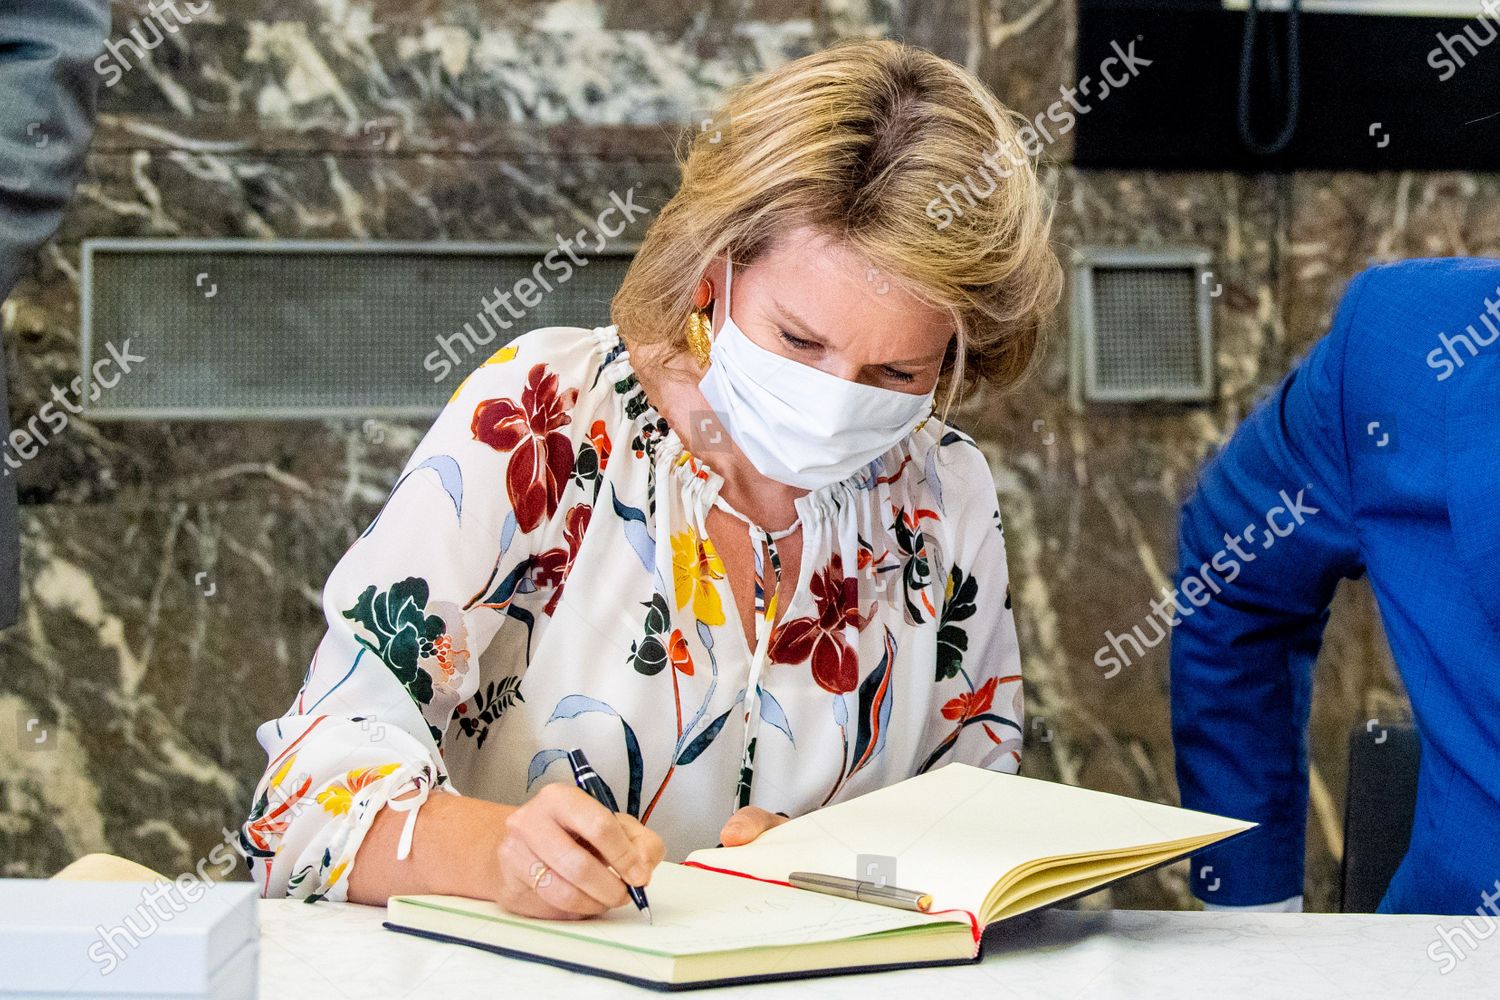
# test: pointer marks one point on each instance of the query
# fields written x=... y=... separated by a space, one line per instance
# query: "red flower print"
x=550 y=568
x=268 y=822
x=677 y=649
x=599 y=438
x=969 y=704
x=835 y=663
x=542 y=456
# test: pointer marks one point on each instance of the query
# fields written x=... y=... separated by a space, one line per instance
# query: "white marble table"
x=340 y=951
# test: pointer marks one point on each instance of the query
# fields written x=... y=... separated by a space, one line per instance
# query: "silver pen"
x=866 y=892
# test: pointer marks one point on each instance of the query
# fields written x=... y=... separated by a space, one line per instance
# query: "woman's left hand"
x=747 y=824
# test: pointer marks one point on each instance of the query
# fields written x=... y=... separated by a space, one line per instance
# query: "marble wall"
x=172 y=571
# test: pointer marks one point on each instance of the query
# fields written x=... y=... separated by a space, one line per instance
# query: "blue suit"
x=47 y=92
x=1389 y=432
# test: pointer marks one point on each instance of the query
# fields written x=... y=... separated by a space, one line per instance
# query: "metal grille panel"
x=1146 y=322
x=249 y=329
x=1142 y=326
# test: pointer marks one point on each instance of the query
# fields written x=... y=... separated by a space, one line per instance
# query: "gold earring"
x=698 y=323
x=930 y=414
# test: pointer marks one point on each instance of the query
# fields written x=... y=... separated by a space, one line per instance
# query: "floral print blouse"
x=541 y=578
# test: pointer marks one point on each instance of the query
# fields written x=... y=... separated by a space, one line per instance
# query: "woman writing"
x=726 y=545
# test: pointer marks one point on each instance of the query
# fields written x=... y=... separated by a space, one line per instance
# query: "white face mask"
x=798 y=424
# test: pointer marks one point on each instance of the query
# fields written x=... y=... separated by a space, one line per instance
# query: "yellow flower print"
x=498 y=358
x=337 y=798
x=280 y=774
x=695 y=567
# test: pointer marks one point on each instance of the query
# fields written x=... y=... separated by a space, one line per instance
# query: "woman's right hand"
x=578 y=840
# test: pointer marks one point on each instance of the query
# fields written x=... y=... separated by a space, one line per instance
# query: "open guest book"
x=985 y=845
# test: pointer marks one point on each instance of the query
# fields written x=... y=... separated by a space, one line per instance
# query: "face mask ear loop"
x=728 y=280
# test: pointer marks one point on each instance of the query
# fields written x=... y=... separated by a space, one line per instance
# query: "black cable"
x=1293 y=79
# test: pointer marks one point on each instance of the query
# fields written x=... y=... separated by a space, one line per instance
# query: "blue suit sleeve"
x=47 y=93
x=46 y=119
x=1263 y=543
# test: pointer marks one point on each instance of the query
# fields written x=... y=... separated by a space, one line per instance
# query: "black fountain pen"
x=589 y=780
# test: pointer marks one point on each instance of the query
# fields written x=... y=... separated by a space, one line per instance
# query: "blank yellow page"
x=958 y=830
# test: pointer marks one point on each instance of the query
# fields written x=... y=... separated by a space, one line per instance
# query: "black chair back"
x=1382 y=799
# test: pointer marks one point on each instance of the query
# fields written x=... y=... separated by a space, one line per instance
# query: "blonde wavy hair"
x=859 y=141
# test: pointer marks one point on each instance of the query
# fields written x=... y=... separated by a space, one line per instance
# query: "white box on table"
x=127 y=939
